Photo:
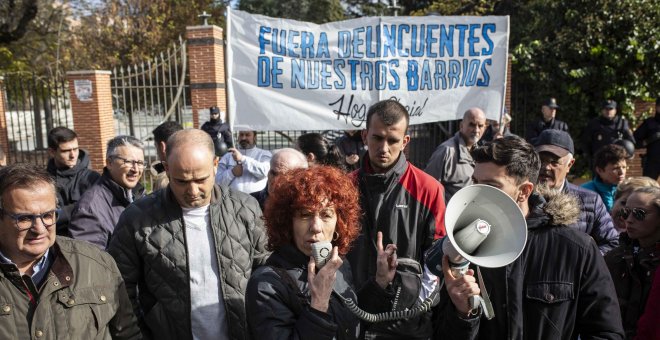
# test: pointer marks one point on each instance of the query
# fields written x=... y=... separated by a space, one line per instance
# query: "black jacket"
x=71 y=184
x=558 y=288
x=351 y=145
x=535 y=128
x=633 y=269
x=601 y=131
x=594 y=220
x=408 y=206
x=274 y=308
x=149 y=246
x=648 y=136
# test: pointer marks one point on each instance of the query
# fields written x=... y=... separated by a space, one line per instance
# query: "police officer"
x=219 y=132
x=607 y=129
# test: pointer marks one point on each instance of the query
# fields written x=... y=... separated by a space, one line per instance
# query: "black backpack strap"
x=293 y=286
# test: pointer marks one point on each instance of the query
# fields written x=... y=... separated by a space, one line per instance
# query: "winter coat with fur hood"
x=558 y=288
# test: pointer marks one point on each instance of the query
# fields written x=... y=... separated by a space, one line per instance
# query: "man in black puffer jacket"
x=186 y=252
x=558 y=288
x=69 y=166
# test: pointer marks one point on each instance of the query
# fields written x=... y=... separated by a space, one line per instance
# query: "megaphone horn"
x=473 y=210
x=484 y=226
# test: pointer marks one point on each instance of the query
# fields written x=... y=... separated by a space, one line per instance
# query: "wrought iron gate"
x=35 y=105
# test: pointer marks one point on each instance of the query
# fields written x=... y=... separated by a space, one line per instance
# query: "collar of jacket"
x=608 y=122
x=463 y=151
x=604 y=187
x=83 y=163
x=118 y=191
x=397 y=170
x=537 y=216
x=553 y=207
x=288 y=257
x=59 y=267
x=547 y=124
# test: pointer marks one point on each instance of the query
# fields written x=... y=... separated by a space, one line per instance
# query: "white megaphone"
x=484 y=226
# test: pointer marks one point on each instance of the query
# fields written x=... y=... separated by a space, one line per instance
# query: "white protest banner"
x=292 y=75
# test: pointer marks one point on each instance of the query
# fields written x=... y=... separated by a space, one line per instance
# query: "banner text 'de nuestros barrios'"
x=291 y=75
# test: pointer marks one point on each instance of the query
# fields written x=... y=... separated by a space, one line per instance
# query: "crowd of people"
x=226 y=244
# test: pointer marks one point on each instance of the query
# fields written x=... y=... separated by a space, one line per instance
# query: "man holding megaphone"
x=557 y=288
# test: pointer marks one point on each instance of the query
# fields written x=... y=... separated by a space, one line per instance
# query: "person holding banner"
x=407 y=206
x=244 y=168
x=558 y=288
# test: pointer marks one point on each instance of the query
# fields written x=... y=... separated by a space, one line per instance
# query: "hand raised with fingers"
x=386 y=262
x=321 y=283
x=460 y=288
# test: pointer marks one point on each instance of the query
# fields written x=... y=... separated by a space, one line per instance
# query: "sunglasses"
x=638 y=213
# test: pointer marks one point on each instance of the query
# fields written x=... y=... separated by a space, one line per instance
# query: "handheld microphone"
x=321 y=251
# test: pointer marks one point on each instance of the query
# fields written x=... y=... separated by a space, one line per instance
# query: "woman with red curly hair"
x=290 y=298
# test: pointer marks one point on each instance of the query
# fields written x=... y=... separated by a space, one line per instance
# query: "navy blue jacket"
x=96 y=214
x=594 y=218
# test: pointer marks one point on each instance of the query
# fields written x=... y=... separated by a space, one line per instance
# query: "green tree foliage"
x=586 y=51
x=579 y=51
x=15 y=17
x=317 y=11
x=361 y=8
x=123 y=32
x=39 y=48
x=93 y=34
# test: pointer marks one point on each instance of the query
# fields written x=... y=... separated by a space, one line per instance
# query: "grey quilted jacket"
x=149 y=246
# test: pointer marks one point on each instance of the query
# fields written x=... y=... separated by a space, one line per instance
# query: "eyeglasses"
x=553 y=162
x=26 y=221
x=129 y=163
x=638 y=213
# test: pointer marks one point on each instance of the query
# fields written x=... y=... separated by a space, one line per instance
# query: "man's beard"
x=246 y=145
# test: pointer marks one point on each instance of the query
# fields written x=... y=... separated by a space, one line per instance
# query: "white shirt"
x=256 y=164
x=207 y=308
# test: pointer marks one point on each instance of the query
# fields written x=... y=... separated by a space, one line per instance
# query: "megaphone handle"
x=475 y=301
x=458 y=270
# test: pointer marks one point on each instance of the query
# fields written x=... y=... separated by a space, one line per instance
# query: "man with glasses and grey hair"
x=53 y=287
x=556 y=150
x=95 y=215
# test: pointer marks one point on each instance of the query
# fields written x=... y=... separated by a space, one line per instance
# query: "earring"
x=335 y=236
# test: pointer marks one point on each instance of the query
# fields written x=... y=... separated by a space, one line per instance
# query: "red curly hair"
x=310 y=189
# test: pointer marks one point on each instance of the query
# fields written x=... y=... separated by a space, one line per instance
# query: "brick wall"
x=92 y=117
x=635 y=165
x=206 y=62
x=4 y=138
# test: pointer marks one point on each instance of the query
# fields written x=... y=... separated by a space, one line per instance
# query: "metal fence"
x=148 y=93
x=424 y=139
x=34 y=105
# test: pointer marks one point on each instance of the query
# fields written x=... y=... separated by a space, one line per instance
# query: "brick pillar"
x=92 y=112
x=4 y=135
x=206 y=61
